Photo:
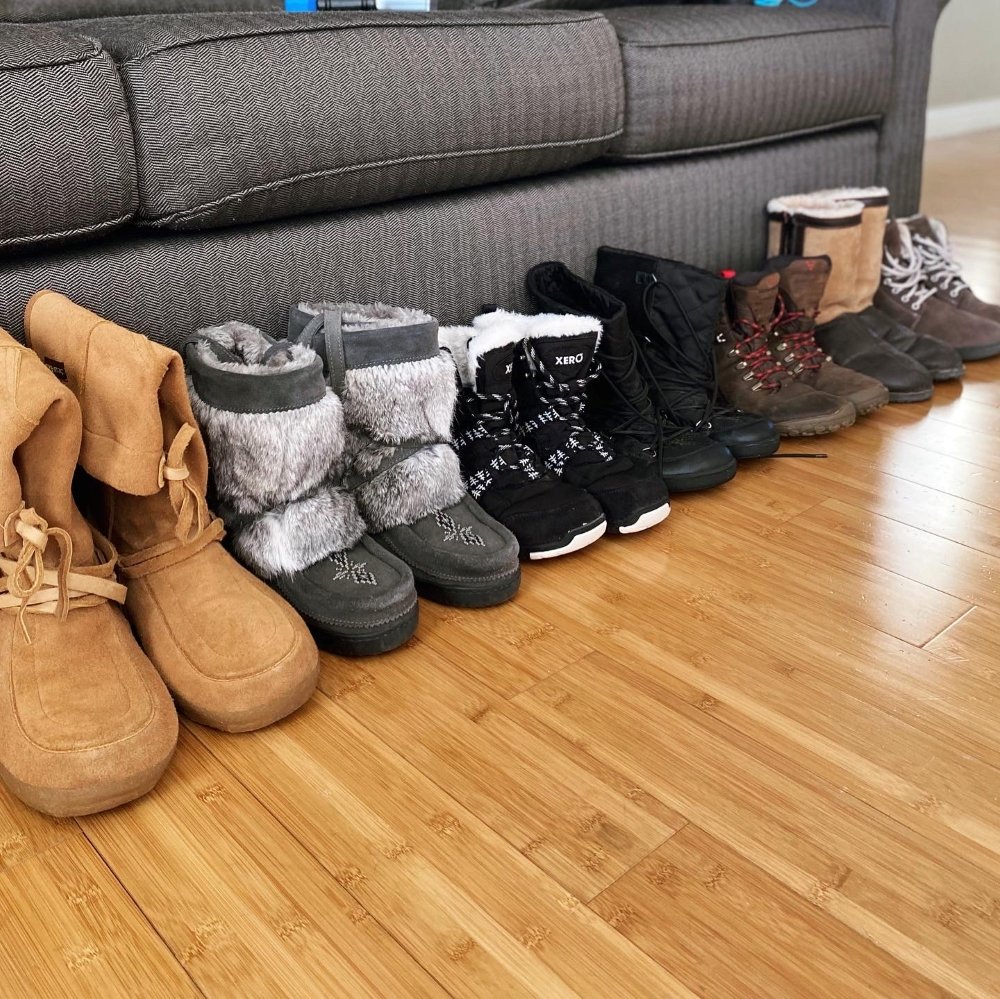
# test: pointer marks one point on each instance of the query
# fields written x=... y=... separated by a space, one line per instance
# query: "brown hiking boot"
x=751 y=377
x=941 y=269
x=234 y=654
x=85 y=722
x=907 y=295
x=793 y=336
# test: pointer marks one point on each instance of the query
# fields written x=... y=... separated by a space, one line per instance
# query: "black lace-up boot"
x=674 y=310
x=552 y=372
x=504 y=475
x=619 y=403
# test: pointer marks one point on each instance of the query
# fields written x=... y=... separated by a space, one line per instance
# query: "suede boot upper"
x=85 y=721
x=235 y=656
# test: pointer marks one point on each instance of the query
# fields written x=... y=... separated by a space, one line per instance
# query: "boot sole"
x=372 y=643
x=585 y=537
x=643 y=522
x=978 y=353
x=947 y=374
x=866 y=407
x=921 y=395
x=65 y=803
x=762 y=450
x=696 y=483
x=814 y=429
x=472 y=595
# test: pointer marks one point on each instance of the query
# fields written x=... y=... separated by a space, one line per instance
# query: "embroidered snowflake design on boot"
x=277 y=441
x=398 y=394
x=548 y=516
x=551 y=372
x=454 y=531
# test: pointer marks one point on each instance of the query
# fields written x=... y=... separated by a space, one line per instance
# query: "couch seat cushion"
x=701 y=78
x=66 y=160
x=253 y=116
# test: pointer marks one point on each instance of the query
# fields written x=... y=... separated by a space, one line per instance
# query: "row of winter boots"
x=87 y=721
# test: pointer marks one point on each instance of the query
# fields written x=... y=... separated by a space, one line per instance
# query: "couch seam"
x=667 y=154
x=709 y=43
x=89 y=56
x=191 y=214
x=148 y=54
x=12 y=241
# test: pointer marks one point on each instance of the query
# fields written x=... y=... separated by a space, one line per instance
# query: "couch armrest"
x=901 y=143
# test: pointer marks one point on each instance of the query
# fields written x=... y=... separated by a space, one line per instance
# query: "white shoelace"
x=940 y=266
x=905 y=279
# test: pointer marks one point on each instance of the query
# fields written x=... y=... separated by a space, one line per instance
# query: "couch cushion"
x=66 y=159
x=245 y=117
x=703 y=78
x=64 y=10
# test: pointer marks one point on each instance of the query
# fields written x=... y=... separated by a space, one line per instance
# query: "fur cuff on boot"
x=276 y=440
x=398 y=404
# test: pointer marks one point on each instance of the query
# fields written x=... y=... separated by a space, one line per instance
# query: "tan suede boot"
x=233 y=653
x=813 y=225
x=85 y=722
x=939 y=358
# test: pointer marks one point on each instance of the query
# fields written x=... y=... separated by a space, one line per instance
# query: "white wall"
x=965 y=72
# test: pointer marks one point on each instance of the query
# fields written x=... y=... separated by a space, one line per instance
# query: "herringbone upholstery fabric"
x=64 y=10
x=66 y=161
x=446 y=254
x=245 y=117
x=706 y=78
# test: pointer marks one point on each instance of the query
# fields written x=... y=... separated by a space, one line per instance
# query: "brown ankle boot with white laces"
x=234 y=654
x=85 y=722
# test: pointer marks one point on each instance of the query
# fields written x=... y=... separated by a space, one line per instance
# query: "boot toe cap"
x=748 y=436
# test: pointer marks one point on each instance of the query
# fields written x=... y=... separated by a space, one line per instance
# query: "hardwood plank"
x=482 y=917
x=931 y=909
x=67 y=928
x=241 y=904
x=25 y=833
x=703 y=910
x=940 y=563
x=971 y=645
x=571 y=824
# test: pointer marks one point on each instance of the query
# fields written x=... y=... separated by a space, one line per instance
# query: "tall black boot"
x=675 y=309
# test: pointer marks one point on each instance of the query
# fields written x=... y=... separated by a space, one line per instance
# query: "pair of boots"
x=529 y=455
x=87 y=721
x=770 y=362
x=849 y=227
x=656 y=392
x=922 y=288
x=334 y=471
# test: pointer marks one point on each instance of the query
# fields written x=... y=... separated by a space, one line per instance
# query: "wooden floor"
x=755 y=752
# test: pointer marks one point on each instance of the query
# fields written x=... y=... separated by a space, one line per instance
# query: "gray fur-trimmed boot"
x=276 y=442
x=398 y=391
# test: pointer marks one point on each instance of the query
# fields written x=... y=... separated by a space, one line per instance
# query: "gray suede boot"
x=398 y=391
x=276 y=442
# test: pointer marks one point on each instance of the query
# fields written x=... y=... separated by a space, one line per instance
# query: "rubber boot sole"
x=919 y=395
x=978 y=353
x=764 y=449
x=371 y=643
x=705 y=480
x=488 y=594
x=643 y=520
x=572 y=542
x=817 y=428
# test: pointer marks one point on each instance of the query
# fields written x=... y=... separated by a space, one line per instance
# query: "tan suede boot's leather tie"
x=32 y=588
x=195 y=526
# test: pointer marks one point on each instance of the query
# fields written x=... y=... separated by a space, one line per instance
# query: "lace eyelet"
x=741 y=365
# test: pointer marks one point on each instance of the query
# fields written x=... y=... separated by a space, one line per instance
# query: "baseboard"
x=959 y=119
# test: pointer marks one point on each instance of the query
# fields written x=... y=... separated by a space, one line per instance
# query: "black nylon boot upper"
x=619 y=403
x=674 y=309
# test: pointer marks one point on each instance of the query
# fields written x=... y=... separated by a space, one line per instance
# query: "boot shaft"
x=812 y=226
x=618 y=401
x=140 y=436
x=674 y=309
x=40 y=434
x=743 y=346
x=802 y=283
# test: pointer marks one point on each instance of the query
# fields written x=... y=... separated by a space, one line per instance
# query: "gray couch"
x=175 y=170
